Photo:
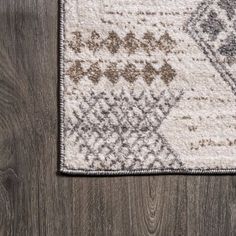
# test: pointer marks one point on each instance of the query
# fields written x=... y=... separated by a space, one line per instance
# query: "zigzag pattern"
x=120 y=129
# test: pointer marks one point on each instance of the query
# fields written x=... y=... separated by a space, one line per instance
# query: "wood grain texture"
x=34 y=200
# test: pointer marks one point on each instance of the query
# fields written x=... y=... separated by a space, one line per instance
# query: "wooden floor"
x=35 y=200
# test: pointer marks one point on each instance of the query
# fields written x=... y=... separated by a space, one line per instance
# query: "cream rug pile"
x=147 y=86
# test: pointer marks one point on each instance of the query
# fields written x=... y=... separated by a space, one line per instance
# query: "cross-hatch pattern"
x=118 y=130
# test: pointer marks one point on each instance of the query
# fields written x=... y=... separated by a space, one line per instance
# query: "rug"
x=147 y=86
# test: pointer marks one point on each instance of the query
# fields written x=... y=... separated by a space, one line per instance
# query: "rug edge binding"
x=67 y=171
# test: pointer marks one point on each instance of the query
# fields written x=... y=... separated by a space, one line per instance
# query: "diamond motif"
x=112 y=72
x=94 y=72
x=149 y=73
x=149 y=42
x=131 y=43
x=130 y=72
x=212 y=25
x=76 y=44
x=167 y=73
x=113 y=42
x=76 y=71
x=221 y=52
x=166 y=43
x=95 y=42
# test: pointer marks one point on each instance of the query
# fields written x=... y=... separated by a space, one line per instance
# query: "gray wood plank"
x=39 y=203
x=155 y=205
x=34 y=200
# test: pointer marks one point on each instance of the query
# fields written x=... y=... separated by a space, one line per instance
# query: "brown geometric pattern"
x=129 y=43
x=129 y=72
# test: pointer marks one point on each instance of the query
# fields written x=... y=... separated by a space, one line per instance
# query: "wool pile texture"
x=147 y=86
